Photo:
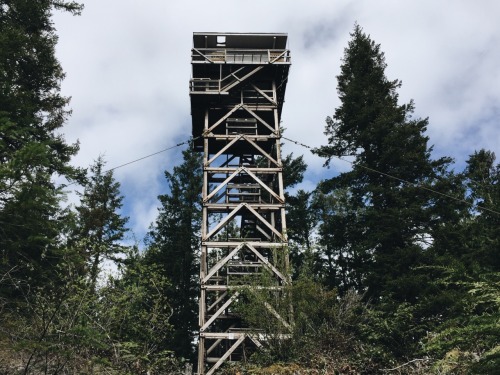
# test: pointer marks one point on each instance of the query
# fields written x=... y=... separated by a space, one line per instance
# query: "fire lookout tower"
x=237 y=90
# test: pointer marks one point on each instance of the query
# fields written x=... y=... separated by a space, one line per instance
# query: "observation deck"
x=231 y=69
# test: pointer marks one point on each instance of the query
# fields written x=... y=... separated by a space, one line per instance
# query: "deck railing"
x=235 y=56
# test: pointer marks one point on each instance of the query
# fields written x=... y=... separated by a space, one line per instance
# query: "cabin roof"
x=240 y=40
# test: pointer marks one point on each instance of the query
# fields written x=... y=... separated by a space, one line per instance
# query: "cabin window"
x=221 y=40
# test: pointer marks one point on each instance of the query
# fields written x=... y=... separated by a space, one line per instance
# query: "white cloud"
x=128 y=68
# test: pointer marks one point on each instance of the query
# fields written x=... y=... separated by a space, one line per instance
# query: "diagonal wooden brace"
x=236 y=107
x=223 y=222
x=264 y=221
x=267 y=188
x=220 y=311
x=226 y=355
x=267 y=263
x=221 y=263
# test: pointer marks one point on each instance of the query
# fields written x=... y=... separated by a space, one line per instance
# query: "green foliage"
x=173 y=244
x=49 y=329
x=302 y=220
x=32 y=151
x=53 y=318
x=386 y=235
x=100 y=227
x=323 y=332
x=483 y=183
x=39 y=300
x=388 y=276
x=122 y=328
x=300 y=215
x=293 y=170
x=466 y=339
x=378 y=222
x=468 y=342
x=32 y=108
x=344 y=262
x=135 y=311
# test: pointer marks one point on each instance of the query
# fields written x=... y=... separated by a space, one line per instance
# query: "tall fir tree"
x=174 y=244
x=342 y=259
x=100 y=227
x=302 y=219
x=383 y=215
x=299 y=215
x=483 y=183
x=32 y=150
x=465 y=300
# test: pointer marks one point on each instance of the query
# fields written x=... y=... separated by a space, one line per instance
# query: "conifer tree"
x=483 y=183
x=174 y=244
x=32 y=151
x=302 y=218
x=384 y=218
x=293 y=170
x=343 y=260
x=466 y=275
x=100 y=227
x=135 y=311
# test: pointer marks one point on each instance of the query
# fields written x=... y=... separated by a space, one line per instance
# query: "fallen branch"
x=405 y=364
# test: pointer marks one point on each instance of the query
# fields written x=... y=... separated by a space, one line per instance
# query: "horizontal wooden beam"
x=220 y=288
x=252 y=169
x=256 y=244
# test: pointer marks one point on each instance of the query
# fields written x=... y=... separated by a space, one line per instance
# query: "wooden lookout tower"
x=237 y=90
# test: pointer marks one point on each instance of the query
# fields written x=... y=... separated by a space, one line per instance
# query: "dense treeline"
x=395 y=263
x=56 y=315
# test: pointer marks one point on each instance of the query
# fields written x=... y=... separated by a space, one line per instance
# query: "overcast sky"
x=128 y=69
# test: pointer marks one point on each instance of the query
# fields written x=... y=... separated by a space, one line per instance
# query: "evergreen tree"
x=382 y=221
x=32 y=151
x=302 y=219
x=483 y=183
x=174 y=244
x=299 y=213
x=293 y=170
x=466 y=274
x=425 y=261
x=135 y=312
x=343 y=258
x=100 y=227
